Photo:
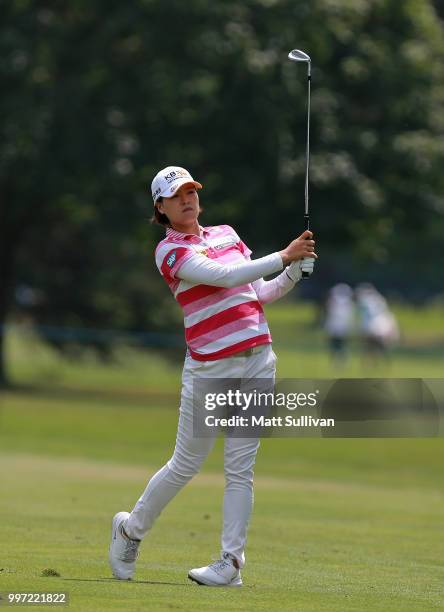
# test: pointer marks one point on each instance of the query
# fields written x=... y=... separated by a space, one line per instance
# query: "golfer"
x=221 y=291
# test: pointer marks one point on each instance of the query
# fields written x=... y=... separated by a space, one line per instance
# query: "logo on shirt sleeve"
x=171 y=259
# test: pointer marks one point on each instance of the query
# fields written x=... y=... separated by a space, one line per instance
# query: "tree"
x=100 y=95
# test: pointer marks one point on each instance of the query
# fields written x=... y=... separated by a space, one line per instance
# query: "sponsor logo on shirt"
x=171 y=259
x=225 y=243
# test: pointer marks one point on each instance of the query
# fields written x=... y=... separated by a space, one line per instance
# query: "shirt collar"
x=171 y=233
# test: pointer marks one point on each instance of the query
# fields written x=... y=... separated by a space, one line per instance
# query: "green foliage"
x=100 y=95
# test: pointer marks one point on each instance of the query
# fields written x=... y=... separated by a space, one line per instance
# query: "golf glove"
x=307 y=266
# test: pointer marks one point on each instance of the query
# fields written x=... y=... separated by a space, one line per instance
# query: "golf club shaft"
x=300 y=56
x=308 y=261
x=307 y=158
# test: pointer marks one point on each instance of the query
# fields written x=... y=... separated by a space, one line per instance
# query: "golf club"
x=300 y=56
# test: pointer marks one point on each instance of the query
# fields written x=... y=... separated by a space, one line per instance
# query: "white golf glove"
x=307 y=266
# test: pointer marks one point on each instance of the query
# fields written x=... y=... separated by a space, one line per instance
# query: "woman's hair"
x=159 y=217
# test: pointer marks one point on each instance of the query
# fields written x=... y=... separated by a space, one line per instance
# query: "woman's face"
x=182 y=209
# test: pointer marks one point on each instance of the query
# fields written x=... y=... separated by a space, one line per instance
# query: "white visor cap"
x=167 y=182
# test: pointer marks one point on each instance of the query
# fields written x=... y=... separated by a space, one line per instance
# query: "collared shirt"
x=219 y=321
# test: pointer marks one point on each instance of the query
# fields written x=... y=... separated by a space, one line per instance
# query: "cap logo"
x=175 y=174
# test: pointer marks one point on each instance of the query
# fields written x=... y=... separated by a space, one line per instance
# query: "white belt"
x=251 y=351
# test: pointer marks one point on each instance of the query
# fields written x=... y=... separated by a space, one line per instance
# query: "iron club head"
x=299 y=56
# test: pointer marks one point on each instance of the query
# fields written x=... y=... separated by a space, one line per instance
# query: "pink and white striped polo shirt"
x=219 y=321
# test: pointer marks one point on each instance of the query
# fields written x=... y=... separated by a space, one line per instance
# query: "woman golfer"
x=221 y=291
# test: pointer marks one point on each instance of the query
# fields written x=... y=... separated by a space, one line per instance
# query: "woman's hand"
x=299 y=248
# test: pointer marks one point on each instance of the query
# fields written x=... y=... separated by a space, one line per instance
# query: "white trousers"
x=190 y=452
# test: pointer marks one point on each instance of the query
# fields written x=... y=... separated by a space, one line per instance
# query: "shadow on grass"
x=108 y=580
x=190 y=584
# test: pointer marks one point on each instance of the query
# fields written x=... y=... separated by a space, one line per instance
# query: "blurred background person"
x=378 y=327
x=339 y=321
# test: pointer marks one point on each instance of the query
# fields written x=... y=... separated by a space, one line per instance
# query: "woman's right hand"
x=299 y=248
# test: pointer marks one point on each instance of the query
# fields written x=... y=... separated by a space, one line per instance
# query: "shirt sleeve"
x=270 y=291
x=202 y=270
x=170 y=258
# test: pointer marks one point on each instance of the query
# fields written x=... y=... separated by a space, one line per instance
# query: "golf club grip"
x=309 y=260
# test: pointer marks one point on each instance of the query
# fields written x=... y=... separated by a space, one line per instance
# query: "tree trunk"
x=439 y=7
x=3 y=377
x=6 y=284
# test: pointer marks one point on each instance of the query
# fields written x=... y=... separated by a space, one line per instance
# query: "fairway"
x=314 y=544
x=337 y=525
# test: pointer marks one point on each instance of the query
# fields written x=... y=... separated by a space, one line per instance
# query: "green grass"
x=301 y=345
x=338 y=524
x=66 y=426
x=34 y=364
x=314 y=543
x=298 y=340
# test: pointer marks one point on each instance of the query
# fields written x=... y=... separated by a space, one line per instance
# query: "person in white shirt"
x=378 y=326
x=221 y=291
x=339 y=321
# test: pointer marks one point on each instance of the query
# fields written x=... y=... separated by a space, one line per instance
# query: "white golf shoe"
x=219 y=574
x=123 y=551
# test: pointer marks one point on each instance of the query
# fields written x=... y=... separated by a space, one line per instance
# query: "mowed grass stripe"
x=123 y=432
x=313 y=544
